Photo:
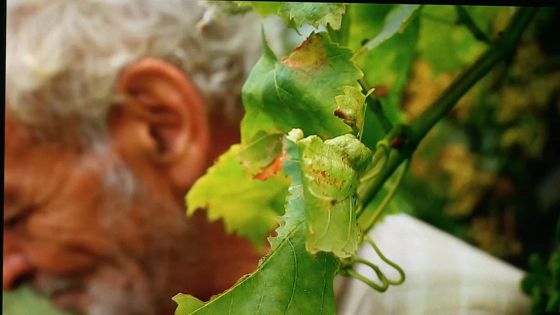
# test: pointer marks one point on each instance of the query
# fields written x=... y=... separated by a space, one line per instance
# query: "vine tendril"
x=385 y=282
x=402 y=275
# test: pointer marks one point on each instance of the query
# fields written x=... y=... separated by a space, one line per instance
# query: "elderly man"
x=113 y=110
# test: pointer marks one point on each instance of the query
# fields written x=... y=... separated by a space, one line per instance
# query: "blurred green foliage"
x=489 y=172
x=25 y=301
x=542 y=283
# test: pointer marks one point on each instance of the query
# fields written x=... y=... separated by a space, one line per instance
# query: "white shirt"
x=444 y=275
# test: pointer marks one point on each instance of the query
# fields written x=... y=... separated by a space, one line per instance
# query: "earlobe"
x=161 y=121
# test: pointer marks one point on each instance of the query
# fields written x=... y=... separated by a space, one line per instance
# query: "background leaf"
x=25 y=301
x=395 y=22
x=438 y=33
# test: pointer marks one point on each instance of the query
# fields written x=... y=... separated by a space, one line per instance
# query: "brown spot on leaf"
x=348 y=119
x=311 y=53
x=273 y=168
x=340 y=113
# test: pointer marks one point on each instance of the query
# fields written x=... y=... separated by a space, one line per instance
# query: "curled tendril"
x=402 y=275
x=385 y=282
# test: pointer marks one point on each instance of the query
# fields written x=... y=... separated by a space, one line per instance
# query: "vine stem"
x=463 y=18
x=410 y=135
x=370 y=218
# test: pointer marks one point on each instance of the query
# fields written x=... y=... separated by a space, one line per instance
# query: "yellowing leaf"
x=330 y=172
x=248 y=206
x=351 y=107
x=261 y=152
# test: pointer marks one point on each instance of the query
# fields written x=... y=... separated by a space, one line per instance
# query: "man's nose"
x=15 y=267
x=15 y=264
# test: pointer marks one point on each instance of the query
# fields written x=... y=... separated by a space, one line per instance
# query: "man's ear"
x=160 y=122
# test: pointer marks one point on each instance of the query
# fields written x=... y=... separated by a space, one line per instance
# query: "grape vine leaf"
x=297 y=14
x=289 y=280
x=395 y=22
x=25 y=301
x=330 y=172
x=257 y=203
x=298 y=91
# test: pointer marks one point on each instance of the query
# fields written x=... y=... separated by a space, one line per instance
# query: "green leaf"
x=395 y=22
x=438 y=32
x=542 y=283
x=186 y=304
x=388 y=64
x=330 y=172
x=366 y=22
x=289 y=280
x=297 y=14
x=248 y=206
x=25 y=301
x=299 y=91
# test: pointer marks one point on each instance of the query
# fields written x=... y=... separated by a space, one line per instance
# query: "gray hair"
x=63 y=56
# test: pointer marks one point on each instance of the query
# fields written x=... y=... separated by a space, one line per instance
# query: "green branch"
x=463 y=18
x=405 y=138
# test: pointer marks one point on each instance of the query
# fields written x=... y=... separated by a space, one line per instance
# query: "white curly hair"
x=63 y=56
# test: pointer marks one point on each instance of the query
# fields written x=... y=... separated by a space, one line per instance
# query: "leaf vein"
x=349 y=228
x=295 y=276
x=324 y=284
x=231 y=302
x=257 y=312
